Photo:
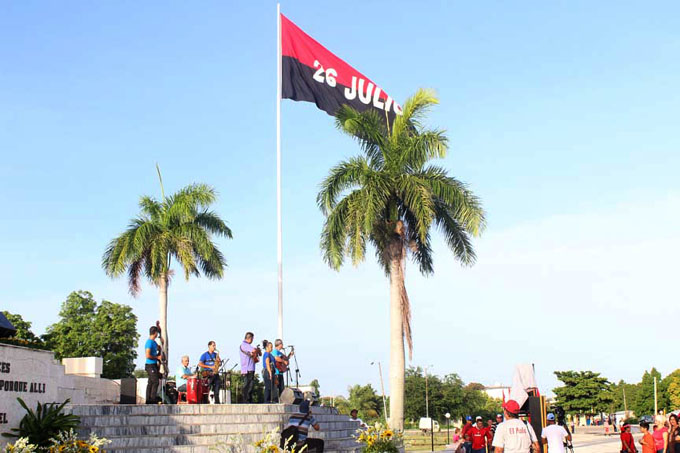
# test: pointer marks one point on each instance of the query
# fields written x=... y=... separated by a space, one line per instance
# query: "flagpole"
x=279 y=233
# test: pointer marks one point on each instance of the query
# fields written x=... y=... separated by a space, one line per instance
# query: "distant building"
x=497 y=391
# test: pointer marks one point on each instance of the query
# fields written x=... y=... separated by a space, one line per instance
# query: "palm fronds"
x=391 y=197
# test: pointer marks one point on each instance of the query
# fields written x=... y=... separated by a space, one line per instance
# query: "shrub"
x=44 y=424
x=24 y=343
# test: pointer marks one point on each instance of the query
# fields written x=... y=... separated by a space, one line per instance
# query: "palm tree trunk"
x=396 y=341
x=163 y=311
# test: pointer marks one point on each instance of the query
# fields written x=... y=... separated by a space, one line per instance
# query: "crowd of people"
x=508 y=434
x=663 y=437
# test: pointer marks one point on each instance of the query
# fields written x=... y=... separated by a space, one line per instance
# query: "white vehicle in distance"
x=426 y=424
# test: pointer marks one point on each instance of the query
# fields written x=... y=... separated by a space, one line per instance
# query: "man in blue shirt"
x=209 y=362
x=183 y=373
x=152 y=353
x=280 y=358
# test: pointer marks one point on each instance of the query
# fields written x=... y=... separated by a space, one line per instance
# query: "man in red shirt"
x=627 y=442
x=478 y=436
x=465 y=434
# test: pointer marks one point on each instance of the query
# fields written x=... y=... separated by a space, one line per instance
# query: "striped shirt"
x=303 y=428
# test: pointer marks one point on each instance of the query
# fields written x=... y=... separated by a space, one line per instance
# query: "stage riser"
x=197 y=428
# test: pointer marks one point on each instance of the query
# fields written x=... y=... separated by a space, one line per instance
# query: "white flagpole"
x=279 y=234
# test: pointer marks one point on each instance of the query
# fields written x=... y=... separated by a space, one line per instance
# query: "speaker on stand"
x=291 y=396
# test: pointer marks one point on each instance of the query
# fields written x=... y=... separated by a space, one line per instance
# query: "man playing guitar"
x=210 y=364
x=281 y=363
x=250 y=355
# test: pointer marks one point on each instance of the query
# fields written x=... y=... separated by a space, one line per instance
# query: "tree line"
x=445 y=394
x=587 y=392
x=86 y=328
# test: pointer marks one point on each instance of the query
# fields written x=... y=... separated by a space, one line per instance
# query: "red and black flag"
x=311 y=73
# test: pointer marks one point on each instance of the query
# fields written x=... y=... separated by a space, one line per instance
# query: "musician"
x=152 y=353
x=280 y=358
x=183 y=373
x=209 y=363
x=248 y=355
x=268 y=371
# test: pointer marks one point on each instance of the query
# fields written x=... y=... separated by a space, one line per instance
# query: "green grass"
x=415 y=440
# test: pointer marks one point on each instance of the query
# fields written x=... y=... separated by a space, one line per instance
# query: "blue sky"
x=562 y=117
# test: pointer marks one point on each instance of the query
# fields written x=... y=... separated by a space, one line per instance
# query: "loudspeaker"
x=312 y=398
x=128 y=391
x=534 y=409
x=291 y=396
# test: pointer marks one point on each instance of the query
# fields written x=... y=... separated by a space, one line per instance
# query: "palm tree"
x=390 y=197
x=178 y=227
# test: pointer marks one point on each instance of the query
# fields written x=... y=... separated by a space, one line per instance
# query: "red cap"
x=511 y=406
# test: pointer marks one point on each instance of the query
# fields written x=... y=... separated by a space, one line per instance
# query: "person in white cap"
x=555 y=436
x=513 y=435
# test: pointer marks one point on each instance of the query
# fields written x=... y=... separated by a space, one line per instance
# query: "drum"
x=194 y=391
x=204 y=385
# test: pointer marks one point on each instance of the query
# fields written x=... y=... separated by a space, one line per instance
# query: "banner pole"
x=279 y=233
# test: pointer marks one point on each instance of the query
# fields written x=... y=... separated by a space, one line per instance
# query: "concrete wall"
x=84 y=366
x=35 y=376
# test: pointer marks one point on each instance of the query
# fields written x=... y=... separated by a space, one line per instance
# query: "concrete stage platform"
x=199 y=428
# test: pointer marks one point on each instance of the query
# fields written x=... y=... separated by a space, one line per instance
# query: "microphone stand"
x=297 y=369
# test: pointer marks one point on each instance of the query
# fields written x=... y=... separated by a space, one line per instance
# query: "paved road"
x=590 y=443
x=596 y=443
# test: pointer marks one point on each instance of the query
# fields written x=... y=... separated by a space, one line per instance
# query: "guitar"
x=163 y=361
x=283 y=366
x=254 y=354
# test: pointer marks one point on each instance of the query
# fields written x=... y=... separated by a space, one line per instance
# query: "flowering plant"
x=20 y=446
x=270 y=444
x=68 y=442
x=234 y=444
x=379 y=439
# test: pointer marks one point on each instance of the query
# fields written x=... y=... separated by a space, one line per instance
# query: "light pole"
x=382 y=388
x=427 y=402
x=427 y=409
x=448 y=427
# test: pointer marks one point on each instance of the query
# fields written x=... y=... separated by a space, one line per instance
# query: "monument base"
x=199 y=428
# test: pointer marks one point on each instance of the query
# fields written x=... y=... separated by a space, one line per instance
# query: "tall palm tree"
x=390 y=197
x=178 y=227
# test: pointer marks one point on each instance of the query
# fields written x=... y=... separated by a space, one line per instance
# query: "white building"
x=497 y=391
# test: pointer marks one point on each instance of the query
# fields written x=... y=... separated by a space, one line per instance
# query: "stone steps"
x=143 y=420
x=210 y=440
x=203 y=428
x=203 y=449
x=207 y=427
